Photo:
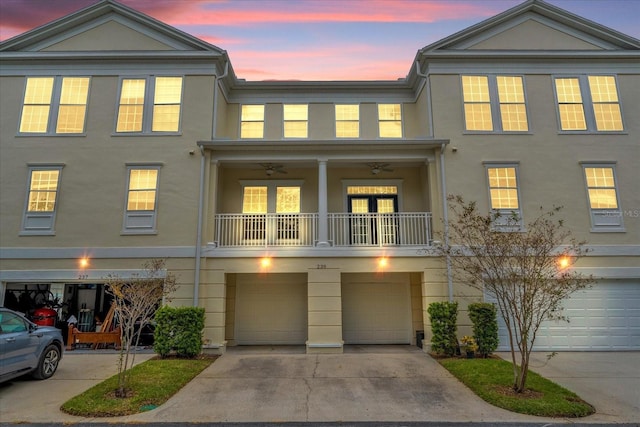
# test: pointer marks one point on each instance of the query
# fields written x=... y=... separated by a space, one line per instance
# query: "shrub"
x=180 y=330
x=443 y=316
x=485 y=326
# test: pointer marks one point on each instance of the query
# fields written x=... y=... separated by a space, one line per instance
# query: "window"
x=588 y=103
x=390 y=120
x=42 y=197
x=296 y=118
x=150 y=105
x=503 y=195
x=54 y=105
x=259 y=202
x=252 y=121
x=347 y=121
x=507 y=112
x=142 y=200
x=605 y=211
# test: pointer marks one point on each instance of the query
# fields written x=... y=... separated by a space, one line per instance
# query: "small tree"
x=135 y=301
x=526 y=269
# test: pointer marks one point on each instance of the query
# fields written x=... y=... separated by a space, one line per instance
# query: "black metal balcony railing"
x=344 y=229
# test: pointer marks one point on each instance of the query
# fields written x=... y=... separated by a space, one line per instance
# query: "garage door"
x=376 y=311
x=604 y=317
x=271 y=309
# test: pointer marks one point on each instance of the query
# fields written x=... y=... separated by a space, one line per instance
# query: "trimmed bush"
x=179 y=329
x=484 y=316
x=443 y=316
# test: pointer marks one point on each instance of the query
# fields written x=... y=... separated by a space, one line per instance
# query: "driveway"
x=376 y=383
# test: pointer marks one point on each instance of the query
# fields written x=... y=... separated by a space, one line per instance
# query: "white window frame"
x=252 y=121
x=380 y=121
x=337 y=120
x=37 y=223
x=494 y=105
x=285 y=121
x=147 y=106
x=140 y=222
x=604 y=220
x=587 y=104
x=503 y=222
x=54 y=107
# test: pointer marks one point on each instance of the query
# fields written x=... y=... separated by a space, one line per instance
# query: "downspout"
x=445 y=208
x=214 y=124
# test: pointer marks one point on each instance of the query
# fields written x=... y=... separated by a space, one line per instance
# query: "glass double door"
x=373 y=219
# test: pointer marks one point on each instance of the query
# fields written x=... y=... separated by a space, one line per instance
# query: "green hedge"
x=484 y=316
x=443 y=316
x=179 y=329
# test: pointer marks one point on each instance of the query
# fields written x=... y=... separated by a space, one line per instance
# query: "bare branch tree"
x=526 y=269
x=136 y=300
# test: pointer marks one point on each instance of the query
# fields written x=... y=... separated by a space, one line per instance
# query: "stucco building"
x=298 y=212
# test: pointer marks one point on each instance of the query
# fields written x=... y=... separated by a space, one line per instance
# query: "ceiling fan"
x=376 y=168
x=270 y=168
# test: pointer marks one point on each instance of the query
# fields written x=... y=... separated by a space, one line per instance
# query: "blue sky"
x=319 y=39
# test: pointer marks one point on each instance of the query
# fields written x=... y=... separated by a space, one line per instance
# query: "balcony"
x=344 y=230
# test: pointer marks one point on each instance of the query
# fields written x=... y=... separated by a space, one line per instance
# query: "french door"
x=373 y=220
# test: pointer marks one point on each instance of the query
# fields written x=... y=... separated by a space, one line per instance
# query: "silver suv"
x=26 y=348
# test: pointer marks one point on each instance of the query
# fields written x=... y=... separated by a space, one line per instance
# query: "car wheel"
x=48 y=363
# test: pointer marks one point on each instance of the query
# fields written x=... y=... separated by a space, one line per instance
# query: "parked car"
x=26 y=348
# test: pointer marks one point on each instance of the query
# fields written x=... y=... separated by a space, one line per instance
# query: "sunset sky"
x=319 y=39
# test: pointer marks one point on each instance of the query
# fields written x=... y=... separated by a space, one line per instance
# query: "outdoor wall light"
x=84 y=262
x=265 y=262
x=564 y=262
x=383 y=262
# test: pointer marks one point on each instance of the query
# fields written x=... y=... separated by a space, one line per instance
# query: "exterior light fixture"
x=265 y=262
x=564 y=262
x=84 y=262
x=383 y=262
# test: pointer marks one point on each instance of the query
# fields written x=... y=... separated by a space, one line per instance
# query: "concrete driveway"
x=377 y=383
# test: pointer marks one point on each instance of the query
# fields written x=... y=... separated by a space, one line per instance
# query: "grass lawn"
x=152 y=383
x=492 y=379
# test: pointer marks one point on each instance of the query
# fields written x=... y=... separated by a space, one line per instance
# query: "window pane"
x=168 y=90
x=372 y=189
x=295 y=129
x=132 y=92
x=359 y=205
x=254 y=200
x=143 y=179
x=502 y=177
x=252 y=130
x=475 y=88
x=568 y=91
x=347 y=121
x=295 y=112
x=478 y=117
x=39 y=90
x=603 y=199
x=71 y=119
x=74 y=91
x=390 y=129
x=129 y=118
x=166 y=118
x=73 y=105
x=514 y=117
x=252 y=113
x=504 y=199
x=347 y=112
x=34 y=118
x=288 y=200
x=141 y=200
x=599 y=177
x=389 y=112
x=572 y=117
x=43 y=190
x=603 y=89
x=347 y=129
x=510 y=89
x=608 y=116
x=142 y=189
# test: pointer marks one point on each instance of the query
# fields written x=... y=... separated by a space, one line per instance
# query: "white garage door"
x=271 y=309
x=376 y=311
x=605 y=317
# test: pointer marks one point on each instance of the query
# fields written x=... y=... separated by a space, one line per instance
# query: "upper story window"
x=54 y=105
x=504 y=195
x=252 y=121
x=283 y=199
x=494 y=104
x=588 y=103
x=604 y=207
x=149 y=104
x=347 y=121
x=42 y=197
x=296 y=120
x=142 y=199
x=390 y=120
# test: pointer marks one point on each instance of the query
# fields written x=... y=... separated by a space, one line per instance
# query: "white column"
x=323 y=218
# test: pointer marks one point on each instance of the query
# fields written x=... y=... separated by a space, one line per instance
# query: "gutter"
x=443 y=181
x=214 y=125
